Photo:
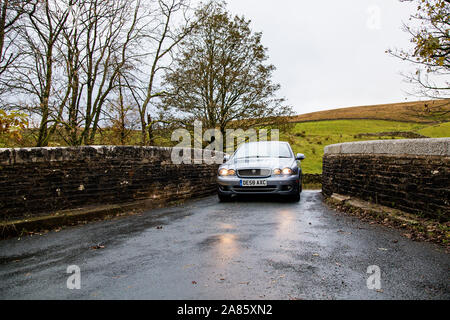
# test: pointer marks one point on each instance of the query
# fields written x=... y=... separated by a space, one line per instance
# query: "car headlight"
x=287 y=171
x=226 y=172
x=277 y=171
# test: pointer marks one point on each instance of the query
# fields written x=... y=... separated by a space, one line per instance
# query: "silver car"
x=268 y=167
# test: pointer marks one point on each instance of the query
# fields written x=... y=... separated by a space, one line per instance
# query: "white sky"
x=330 y=53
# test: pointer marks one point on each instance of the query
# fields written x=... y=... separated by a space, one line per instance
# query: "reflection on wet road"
x=253 y=248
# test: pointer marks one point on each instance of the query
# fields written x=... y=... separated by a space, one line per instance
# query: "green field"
x=310 y=138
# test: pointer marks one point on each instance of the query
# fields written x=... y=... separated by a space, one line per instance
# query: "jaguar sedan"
x=268 y=167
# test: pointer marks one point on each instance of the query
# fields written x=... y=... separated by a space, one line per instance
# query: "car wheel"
x=295 y=197
x=223 y=197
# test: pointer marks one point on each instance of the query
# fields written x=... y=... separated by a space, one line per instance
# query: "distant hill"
x=430 y=111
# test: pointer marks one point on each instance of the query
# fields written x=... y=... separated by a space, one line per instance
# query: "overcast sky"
x=331 y=54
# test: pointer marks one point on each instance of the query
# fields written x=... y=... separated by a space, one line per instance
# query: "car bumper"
x=286 y=185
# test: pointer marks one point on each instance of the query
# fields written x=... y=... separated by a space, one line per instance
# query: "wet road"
x=247 y=249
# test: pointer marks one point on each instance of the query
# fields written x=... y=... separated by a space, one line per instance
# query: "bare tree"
x=107 y=53
x=77 y=56
x=72 y=52
x=121 y=117
x=220 y=76
x=35 y=74
x=11 y=12
x=162 y=35
x=95 y=48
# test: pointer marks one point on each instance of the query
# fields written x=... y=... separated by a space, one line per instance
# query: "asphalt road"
x=246 y=249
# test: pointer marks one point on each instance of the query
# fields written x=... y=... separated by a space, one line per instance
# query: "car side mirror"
x=300 y=156
x=226 y=157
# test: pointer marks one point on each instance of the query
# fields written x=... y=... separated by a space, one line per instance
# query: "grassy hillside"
x=311 y=132
x=437 y=131
x=415 y=111
x=310 y=138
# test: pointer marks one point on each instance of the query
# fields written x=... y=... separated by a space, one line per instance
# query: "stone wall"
x=36 y=181
x=411 y=175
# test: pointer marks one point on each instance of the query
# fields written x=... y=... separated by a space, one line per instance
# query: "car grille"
x=254 y=173
x=255 y=189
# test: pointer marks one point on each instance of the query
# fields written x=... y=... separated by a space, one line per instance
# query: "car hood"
x=272 y=163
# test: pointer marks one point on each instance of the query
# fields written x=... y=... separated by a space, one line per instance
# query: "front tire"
x=295 y=197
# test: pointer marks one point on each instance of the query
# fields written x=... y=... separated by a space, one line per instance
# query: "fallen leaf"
x=97 y=247
x=383 y=249
x=194 y=282
x=315 y=254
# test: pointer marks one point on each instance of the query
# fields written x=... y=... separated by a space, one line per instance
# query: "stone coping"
x=10 y=156
x=432 y=147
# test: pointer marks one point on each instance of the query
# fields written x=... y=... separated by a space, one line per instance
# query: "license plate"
x=253 y=183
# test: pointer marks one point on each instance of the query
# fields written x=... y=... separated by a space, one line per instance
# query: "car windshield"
x=263 y=150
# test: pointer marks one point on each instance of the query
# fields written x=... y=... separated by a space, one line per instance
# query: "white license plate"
x=253 y=183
